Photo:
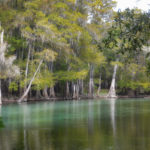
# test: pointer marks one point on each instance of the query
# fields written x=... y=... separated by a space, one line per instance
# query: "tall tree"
x=7 y=69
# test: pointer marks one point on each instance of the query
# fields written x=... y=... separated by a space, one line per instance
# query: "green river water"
x=122 y=124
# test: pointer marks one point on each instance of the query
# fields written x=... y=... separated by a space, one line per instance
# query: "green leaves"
x=44 y=78
x=7 y=16
x=70 y=36
x=13 y=86
x=71 y=75
x=33 y=4
x=47 y=55
x=61 y=5
x=118 y=63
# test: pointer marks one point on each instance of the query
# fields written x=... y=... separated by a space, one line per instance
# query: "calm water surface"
x=76 y=125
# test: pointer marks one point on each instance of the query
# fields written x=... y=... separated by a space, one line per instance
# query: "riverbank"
x=14 y=100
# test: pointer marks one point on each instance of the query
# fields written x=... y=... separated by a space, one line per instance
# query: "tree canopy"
x=70 y=44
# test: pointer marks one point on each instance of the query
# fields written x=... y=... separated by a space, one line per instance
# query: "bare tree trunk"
x=67 y=90
x=26 y=72
x=2 y=37
x=81 y=89
x=51 y=91
x=99 y=86
x=45 y=94
x=112 y=91
x=91 y=82
x=2 y=49
x=74 y=91
x=29 y=86
x=2 y=60
x=0 y=93
x=77 y=89
x=67 y=86
x=27 y=65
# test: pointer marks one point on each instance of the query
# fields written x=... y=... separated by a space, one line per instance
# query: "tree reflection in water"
x=1 y=119
x=112 y=114
x=77 y=125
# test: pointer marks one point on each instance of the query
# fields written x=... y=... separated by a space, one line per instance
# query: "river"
x=122 y=124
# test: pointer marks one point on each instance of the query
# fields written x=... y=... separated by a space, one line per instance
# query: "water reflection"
x=77 y=125
x=0 y=110
x=112 y=102
x=90 y=118
x=1 y=119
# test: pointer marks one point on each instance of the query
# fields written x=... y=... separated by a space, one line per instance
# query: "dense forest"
x=72 y=49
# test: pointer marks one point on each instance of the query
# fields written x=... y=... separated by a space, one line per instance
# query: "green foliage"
x=117 y=62
x=13 y=86
x=71 y=75
x=16 y=43
x=70 y=36
x=47 y=55
x=134 y=85
x=7 y=17
x=134 y=77
x=43 y=79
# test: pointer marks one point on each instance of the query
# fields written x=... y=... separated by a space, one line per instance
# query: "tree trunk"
x=81 y=89
x=75 y=88
x=45 y=94
x=2 y=37
x=91 y=82
x=38 y=94
x=29 y=86
x=67 y=87
x=0 y=93
x=26 y=72
x=99 y=86
x=74 y=91
x=52 y=92
x=2 y=60
x=78 y=89
x=67 y=90
x=112 y=91
x=27 y=65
